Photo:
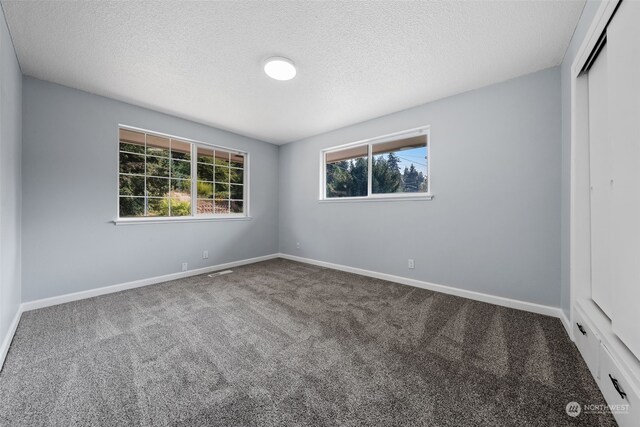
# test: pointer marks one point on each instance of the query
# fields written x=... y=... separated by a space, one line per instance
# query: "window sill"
x=422 y=197
x=134 y=221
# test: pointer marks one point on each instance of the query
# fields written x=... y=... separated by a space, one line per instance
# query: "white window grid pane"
x=193 y=176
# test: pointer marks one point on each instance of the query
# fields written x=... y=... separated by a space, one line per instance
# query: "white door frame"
x=579 y=219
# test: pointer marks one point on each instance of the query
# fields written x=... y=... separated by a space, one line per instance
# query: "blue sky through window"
x=417 y=156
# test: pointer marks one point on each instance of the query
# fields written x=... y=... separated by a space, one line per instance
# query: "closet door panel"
x=600 y=159
x=623 y=40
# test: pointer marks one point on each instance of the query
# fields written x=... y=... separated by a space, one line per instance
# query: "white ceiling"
x=356 y=60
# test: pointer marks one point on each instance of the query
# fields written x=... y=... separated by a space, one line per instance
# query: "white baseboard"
x=47 y=302
x=477 y=296
x=567 y=324
x=6 y=342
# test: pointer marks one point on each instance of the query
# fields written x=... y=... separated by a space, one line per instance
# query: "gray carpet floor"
x=284 y=343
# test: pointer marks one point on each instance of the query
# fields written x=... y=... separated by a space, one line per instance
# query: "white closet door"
x=600 y=159
x=623 y=38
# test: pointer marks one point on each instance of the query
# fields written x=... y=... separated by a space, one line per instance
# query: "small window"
x=164 y=176
x=393 y=166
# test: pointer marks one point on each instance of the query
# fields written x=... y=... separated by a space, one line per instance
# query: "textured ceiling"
x=356 y=60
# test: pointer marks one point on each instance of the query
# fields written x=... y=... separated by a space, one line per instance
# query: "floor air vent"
x=220 y=273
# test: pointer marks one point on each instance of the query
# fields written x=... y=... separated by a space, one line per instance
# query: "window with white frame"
x=165 y=176
x=389 y=166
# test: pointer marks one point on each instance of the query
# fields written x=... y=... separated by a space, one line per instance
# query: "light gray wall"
x=10 y=182
x=588 y=14
x=70 y=169
x=494 y=224
x=475 y=133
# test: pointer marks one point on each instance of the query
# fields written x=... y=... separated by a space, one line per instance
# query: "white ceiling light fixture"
x=279 y=68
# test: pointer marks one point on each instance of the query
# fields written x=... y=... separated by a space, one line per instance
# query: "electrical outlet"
x=185 y=266
x=205 y=254
x=412 y=263
x=298 y=245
